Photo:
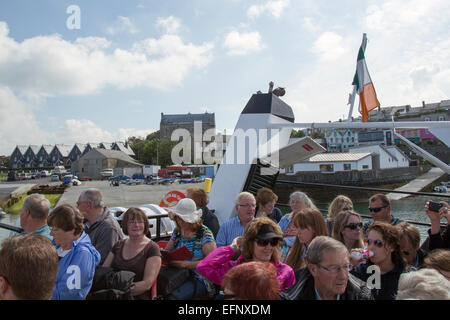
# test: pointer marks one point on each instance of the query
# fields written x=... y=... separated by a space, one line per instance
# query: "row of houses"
x=34 y=156
x=341 y=140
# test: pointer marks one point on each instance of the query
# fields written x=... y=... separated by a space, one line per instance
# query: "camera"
x=434 y=206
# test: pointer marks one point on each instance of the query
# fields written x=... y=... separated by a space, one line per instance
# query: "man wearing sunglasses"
x=326 y=276
x=380 y=210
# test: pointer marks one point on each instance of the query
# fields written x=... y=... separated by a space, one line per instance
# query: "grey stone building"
x=171 y=122
x=97 y=159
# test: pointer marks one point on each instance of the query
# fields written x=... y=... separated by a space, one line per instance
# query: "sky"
x=103 y=70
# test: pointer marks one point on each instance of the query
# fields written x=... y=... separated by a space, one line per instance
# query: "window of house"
x=441 y=118
x=427 y=119
x=326 y=168
x=347 y=166
x=365 y=166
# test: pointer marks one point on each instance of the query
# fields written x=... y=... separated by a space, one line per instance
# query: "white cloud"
x=17 y=122
x=274 y=8
x=243 y=43
x=407 y=54
x=410 y=51
x=310 y=25
x=50 y=65
x=121 y=25
x=330 y=46
x=170 y=25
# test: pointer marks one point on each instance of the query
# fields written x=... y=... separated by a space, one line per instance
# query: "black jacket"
x=210 y=220
x=440 y=240
x=389 y=281
x=303 y=289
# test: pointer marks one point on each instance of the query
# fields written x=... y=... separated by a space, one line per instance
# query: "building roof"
x=114 y=154
x=187 y=118
x=22 y=149
x=338 y=157
x=106 y=145
x=64 y=149
x=34 y=148
x=47 y=148
x=121 y=146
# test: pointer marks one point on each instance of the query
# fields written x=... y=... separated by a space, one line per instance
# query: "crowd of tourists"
x=82 y=252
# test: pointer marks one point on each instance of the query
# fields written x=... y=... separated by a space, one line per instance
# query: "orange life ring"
x=171 y=198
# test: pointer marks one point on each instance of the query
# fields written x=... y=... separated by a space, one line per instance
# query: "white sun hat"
x=186 y=209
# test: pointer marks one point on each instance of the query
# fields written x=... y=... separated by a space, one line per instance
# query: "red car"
x=86 y=178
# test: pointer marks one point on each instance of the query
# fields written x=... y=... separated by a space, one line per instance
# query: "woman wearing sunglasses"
x=347 y=228
x=309 y=224
x=261 y=241
x=383 y=240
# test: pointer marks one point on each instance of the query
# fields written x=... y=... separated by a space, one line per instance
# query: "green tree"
x=297 y=133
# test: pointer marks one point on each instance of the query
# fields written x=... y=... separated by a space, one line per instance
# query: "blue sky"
x=131 y=60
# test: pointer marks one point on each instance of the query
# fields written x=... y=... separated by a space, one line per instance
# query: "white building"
x=333 y=162
x=341 y=140
x=384 y=157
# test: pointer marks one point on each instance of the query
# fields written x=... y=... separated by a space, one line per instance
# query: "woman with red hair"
x=260 y=280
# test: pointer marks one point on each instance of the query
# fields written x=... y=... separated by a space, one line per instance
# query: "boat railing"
x=158 y=236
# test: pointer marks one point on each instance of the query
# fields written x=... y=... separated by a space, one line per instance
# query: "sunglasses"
x=377 y=209
x=354 y=225
x=263 y=243
x=377 y=242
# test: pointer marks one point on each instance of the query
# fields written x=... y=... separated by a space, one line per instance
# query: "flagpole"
x=351 y=99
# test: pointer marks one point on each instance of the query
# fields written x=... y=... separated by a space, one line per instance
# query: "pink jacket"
x=218 y=263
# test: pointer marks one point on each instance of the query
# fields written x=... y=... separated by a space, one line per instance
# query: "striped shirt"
x=228 y=231
x=194 y=244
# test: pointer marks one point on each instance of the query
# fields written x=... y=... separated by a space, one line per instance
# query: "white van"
x=45 y=173
x=106 y=173
x=59 y=170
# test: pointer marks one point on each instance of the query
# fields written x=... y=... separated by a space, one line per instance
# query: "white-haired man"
x=245 y=205
x=326 y=277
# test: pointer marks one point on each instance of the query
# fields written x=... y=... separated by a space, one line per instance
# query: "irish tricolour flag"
x=367 y=96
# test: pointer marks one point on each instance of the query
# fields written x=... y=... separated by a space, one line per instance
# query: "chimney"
x=423 y=104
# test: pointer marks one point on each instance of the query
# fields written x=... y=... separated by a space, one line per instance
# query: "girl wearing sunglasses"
x=347 y=228
x=261 y=241
x=383 y=240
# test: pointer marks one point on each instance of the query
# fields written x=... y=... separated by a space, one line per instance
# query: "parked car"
x=120 y=178
x=12 y=176
x=54 y=177
x=138 y=176
x=106 y=173
x=76 y=182
x=45 y=173
x=86 y=178
x=67 y=179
